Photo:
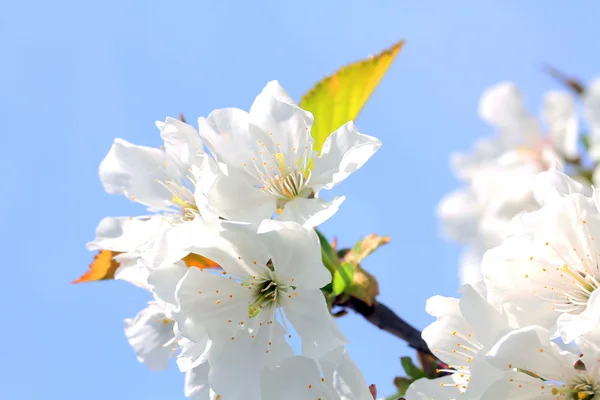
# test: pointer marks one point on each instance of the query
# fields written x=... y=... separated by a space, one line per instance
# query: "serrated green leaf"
x=411 y=369
x=339 y=98
x=342 y=278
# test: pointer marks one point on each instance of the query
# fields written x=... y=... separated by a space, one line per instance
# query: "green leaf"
x=411 y=369
x=328 y=254
x=339 y=98
x=342 y=278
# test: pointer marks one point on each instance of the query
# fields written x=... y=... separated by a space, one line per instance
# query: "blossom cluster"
x=527 y=323
x=242 y=193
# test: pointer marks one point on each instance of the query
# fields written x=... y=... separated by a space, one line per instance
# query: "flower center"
x=277 y=177
x=183 y=199
x=581 y=387
x=577 y=291
x=267 y=293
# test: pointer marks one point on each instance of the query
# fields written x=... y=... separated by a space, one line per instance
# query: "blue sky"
x=75 y=75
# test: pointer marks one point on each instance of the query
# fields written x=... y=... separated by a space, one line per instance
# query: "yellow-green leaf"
x=340 y=97
x=342 y=278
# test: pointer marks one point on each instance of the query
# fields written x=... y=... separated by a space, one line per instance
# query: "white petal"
x=286 y=126
x=163 y=281
x=308 y=313
x=518 y=386
x=310 y=212
x=149 y=336
x=124 y=234
x=226 y=134
x=591 y=102
x=433 y=389
x=439 y=335
x=274 y=89
x=530 y=349
x=555 y=183
x=560 y=116
x=487 y=322
x=297 y=378
x=460 y=212
x=502 y=106
x=348 y=381
x=344 y=152
x=572 y=327
x=236 y=365
x=181 y=140
x=134 y=171
x=131 y=270
x=296 y=254
x=470 y=266
x=237 y=199
x=210 y=303
x=205 y=172
x=196 y=383
x=192 y=353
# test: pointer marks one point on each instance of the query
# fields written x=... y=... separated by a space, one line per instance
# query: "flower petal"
x=310 y=212
x=240 y=361
x=561 y=119
x=236 y=199
x=210 y=303
x=428 y=389
x=192 y=353
x=125 y=234
x=308 y=313
x=226 y=134
x=163 y=281
x=297 y=378
x=344 y=152
x=181 y=140
x=134 y=171
x=196 y=383
x=502 y=106
x=591 y=102
x=555 y=183
x=530 y=349
x=131 y=270
x=286 y=125
x=149 y=335
x=296 y=254
x=348 y=381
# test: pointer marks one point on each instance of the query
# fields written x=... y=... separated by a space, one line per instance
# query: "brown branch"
x=384 y=318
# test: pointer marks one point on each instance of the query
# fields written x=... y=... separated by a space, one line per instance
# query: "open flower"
x=464 y=331
x=500 y=171
x=536 y=368
x=268 y=162
x=549 y=265
x=151 y=336
x=164 y=180
x=269 y=279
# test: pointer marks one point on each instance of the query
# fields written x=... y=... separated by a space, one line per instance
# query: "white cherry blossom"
x=164 y=180
x=269 y=278
x=151 y=336
x=268 y=164
x=548 y=266
x=500 y=171
x=536 y=368
x=464 y=331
